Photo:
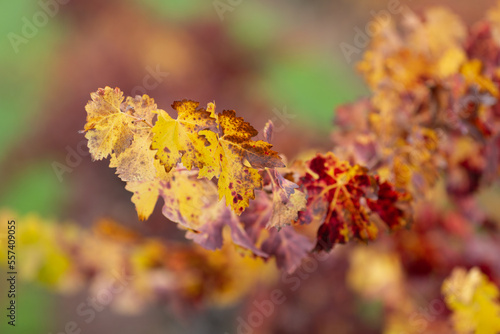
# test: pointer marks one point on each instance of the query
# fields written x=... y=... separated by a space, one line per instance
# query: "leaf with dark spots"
x=237 y=134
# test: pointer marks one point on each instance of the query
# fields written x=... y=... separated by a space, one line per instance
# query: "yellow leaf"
x=178 y=140
x=137 y=163
x=110 y=124
x=219 y=145
x=239 y=156
x=123 y=131
x=236 y=138
x=472 y=73
x=146 y=192
x=474 y=301
x=185 y=197
x=236 y=181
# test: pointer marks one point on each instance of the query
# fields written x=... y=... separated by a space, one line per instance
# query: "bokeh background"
x=264 y=59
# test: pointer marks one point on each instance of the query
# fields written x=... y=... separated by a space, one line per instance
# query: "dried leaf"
x=109 y=128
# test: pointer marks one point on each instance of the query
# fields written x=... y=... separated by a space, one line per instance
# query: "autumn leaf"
x=287 y=199
x=391 y=206
x=240 y=157
x=415 y=160
x=137 y=162
x=110 y=124
x=474 y=301
x=178 y=140
x=334 y=191
x=217 y=145
x=185 y=197
x=236 y=138
x=143 y=108
x=145 y=196
x=122 y=130
x=236 y=181
x=194 y=204
x=338 y=194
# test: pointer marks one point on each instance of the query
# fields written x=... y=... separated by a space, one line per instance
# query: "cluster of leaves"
x=434 y=109
x=431 y=130
x=176 y=159
x=179 y=160
x=217 y=145
x=432 y=127
x=433 y=113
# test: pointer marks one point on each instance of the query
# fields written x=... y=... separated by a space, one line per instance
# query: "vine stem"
x=140 y=120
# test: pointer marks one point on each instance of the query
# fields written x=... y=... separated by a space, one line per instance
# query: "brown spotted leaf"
x=236 y=137
x=239 y=158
